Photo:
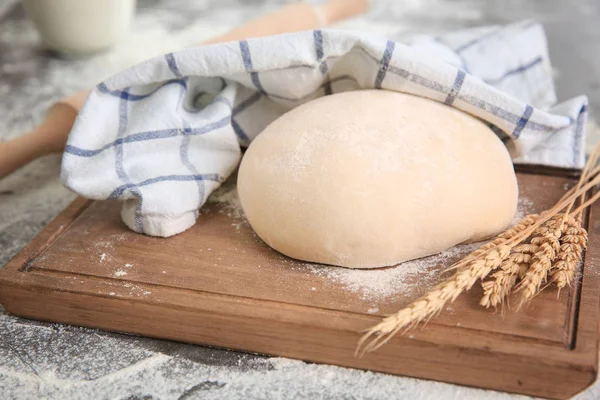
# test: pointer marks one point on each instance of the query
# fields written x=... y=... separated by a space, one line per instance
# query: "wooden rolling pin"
x=51 y=135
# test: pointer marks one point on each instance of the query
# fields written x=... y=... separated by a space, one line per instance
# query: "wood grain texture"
x=218 y=284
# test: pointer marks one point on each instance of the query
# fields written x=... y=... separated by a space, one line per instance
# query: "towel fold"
x=162 y=135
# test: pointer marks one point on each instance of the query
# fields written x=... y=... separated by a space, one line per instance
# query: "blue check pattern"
x=164 y=134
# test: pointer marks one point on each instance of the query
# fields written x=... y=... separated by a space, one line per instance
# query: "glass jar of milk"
x=80 y=27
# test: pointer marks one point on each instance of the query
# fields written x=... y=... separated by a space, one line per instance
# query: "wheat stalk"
x=574 y=242
x=571 y=244
x=518 y=263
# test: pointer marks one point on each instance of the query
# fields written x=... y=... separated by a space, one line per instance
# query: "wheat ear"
x=505 y=278
x=574 y=242
x=572 y=245
x=434 y=301
x=567 y=258
x=547 y=238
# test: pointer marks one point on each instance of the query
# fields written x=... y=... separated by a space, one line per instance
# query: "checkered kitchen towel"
x=161 y=136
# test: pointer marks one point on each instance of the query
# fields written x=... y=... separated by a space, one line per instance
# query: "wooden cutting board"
x=218 y=284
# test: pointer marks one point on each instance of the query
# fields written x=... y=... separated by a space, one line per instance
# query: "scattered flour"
x=104 y=250
x=376 y=285
x=120 y=273
x=227 y=197
x=524 y=207
x=135 y=290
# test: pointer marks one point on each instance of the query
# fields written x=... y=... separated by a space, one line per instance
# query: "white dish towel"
x=162 y=135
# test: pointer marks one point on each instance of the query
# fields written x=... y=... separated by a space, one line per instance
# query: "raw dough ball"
x=372 y=178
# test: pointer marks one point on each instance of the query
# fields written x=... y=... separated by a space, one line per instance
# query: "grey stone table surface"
x=43 y=360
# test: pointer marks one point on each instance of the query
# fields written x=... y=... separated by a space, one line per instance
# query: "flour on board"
x=227 y=196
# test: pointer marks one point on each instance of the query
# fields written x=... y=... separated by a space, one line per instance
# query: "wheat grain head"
x=572 y=244
x=547 y=238
x=504 y=279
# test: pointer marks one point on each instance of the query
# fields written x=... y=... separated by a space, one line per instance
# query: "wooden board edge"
x=536 y=169
x=322 y=344
x=587 y=317
x=41 y=280
x=44 y=239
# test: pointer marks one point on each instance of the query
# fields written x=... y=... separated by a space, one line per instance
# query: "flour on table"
x=121 y=366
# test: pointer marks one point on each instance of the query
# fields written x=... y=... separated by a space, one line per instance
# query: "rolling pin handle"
x=337 y=10
x=49 y=137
